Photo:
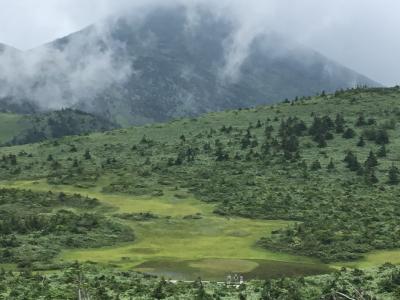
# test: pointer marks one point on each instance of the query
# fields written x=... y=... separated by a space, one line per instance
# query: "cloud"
x=55 y=77
x=360 y=34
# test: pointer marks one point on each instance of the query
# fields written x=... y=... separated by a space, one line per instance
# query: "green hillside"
x=299 y=188
x=10 y=126
x=25 y=129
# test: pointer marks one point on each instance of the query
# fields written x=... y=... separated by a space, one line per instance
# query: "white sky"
x=361 y=34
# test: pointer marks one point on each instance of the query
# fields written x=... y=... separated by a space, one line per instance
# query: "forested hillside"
x=36 y=127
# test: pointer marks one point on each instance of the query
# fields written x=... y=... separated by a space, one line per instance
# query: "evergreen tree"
x=331 y=165
x=371 y=161
x=246 y=140
x=320 y=140
x=361 y=121
x=370 y=177
x=361 y=142
x=87 y=155
x=13 y=159
x=290 y=144
x=76 y=163
x=394 y=175
x=268 y=131
x=382 y=137
x=266 y=148
x=158 y=292
x=349 y=133
x=339 y=123
x=382 y=151
x=352 y=161
x=316 y=165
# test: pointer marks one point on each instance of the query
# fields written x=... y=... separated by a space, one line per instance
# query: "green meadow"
x=185 y=248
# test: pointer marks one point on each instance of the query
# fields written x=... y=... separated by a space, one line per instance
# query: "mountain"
x=172 y=62
x=24 y=129
x=4 y=48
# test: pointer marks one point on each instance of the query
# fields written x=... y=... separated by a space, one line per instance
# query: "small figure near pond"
x=228 y=279
x=235 y=279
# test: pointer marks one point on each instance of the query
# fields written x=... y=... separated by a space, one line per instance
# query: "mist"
x=55 y=78
x=359 y=34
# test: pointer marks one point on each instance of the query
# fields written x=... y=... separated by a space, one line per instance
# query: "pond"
x=219 y=269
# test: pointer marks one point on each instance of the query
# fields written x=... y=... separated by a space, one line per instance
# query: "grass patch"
x=374 y=259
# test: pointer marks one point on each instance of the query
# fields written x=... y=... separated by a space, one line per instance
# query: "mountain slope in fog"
x=172 y=62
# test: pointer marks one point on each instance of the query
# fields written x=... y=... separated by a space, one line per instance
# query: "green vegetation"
x=10 y=126
x=34 y=227
x=311 y=180
x=177 y=230
x=105 y=283
x=294 y=161
x=25 y=129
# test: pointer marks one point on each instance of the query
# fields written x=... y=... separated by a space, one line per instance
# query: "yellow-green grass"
x=211 y=237
x=167 y=205
x=374 y=259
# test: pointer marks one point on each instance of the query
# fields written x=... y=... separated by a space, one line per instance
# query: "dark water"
x=264 y=269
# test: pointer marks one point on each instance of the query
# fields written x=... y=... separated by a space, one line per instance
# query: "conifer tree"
x=382 y=137
x=87 y=155
x=331 y=165
x=349 y=133
x=316 y=165
x=394 y=175
x=339 y=123
x=371 y=161
x=361 y=142
x=352 y=161
x=361 y=121
x=382 y=151
x=370 y=177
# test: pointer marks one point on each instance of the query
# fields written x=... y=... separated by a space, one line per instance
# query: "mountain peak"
x=173 y=62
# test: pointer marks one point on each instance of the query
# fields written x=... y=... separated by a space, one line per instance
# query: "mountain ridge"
x=157 y=67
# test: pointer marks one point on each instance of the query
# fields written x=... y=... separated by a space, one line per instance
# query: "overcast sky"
x=361 y=34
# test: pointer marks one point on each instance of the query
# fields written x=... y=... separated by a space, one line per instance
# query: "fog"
x=360 y=34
